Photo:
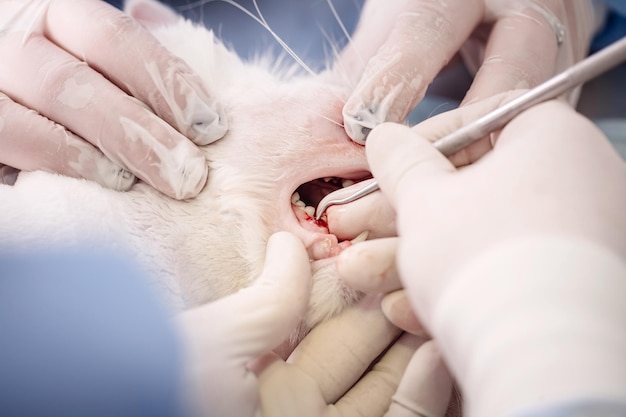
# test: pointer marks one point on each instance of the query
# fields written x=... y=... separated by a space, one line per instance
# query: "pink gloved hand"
x=510 y=44
x=86 y=92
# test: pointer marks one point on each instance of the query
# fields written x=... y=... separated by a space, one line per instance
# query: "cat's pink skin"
x=284 y=131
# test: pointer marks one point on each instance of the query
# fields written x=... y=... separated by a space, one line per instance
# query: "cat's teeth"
x=300 y=203
x=328 y=179
x=310 y=211
x=347 y=183
x=295 y=197
x=361 y=237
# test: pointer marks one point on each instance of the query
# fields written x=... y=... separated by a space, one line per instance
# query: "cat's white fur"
x=284 y=132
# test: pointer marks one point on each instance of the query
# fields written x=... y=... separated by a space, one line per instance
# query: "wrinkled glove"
x=347 y=366
x=85 y=91
x=509 y=44
x=515 y=265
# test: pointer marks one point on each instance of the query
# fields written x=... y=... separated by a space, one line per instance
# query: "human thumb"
x=263 y=315
x=400 y=160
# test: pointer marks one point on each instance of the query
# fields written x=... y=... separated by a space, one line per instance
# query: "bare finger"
x=31 y=142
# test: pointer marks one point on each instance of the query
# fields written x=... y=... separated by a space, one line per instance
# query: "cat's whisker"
x=260 y=19
x=331 y=6
x=263 y=22
x=331 y=120
x=336 y=53
x=317 y=113
x=345 y=32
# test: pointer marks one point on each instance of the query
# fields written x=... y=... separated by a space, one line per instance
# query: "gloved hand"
x=85 y=91
x=231 y=370
x=373 y=213
x=510 y=44
x=515 y=265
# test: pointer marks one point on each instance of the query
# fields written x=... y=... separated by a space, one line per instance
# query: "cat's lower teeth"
x=361 y=237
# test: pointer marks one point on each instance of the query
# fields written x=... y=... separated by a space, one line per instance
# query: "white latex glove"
x=347 y=366
x=87 y=92
x=516 y=265
x=373 y=212
x=511 y=44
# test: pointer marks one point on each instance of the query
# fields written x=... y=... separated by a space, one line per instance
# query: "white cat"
x=284 y=132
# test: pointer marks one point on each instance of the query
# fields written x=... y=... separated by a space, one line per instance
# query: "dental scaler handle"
x=577 y=74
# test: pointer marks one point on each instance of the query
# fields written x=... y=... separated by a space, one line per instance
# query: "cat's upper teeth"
x=295 y=200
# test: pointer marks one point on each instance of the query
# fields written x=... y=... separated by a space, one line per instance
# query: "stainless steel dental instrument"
x=577 y=74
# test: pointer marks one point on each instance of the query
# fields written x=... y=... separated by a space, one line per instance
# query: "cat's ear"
x=150 y=13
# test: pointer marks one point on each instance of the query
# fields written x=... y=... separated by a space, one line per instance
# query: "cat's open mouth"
x=320 y=240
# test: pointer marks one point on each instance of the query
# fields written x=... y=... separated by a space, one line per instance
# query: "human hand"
x=545 y=211
x=373 y=213
x=334 y=371
x=352 y=365
x=511 y=44
x=86 y=92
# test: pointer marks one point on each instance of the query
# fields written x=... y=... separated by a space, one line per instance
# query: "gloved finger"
x=396 y=78
x=443 y=124
x=371 y=213
x=425 y=389
x=522 y=48
x=337 y=352
x=287 y=391
x=222 y=337
x=399 y=311
x=521 y=53
x=371 y=396
x=370 y=266
x=82 y=100
x=263 y=315
x=400 y=160
x=148 y=71
x=30 y=142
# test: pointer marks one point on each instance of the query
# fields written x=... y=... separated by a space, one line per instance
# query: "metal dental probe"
x=577 y=74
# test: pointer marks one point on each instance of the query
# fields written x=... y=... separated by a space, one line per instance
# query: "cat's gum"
x=325 y=246
x=320 y=243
